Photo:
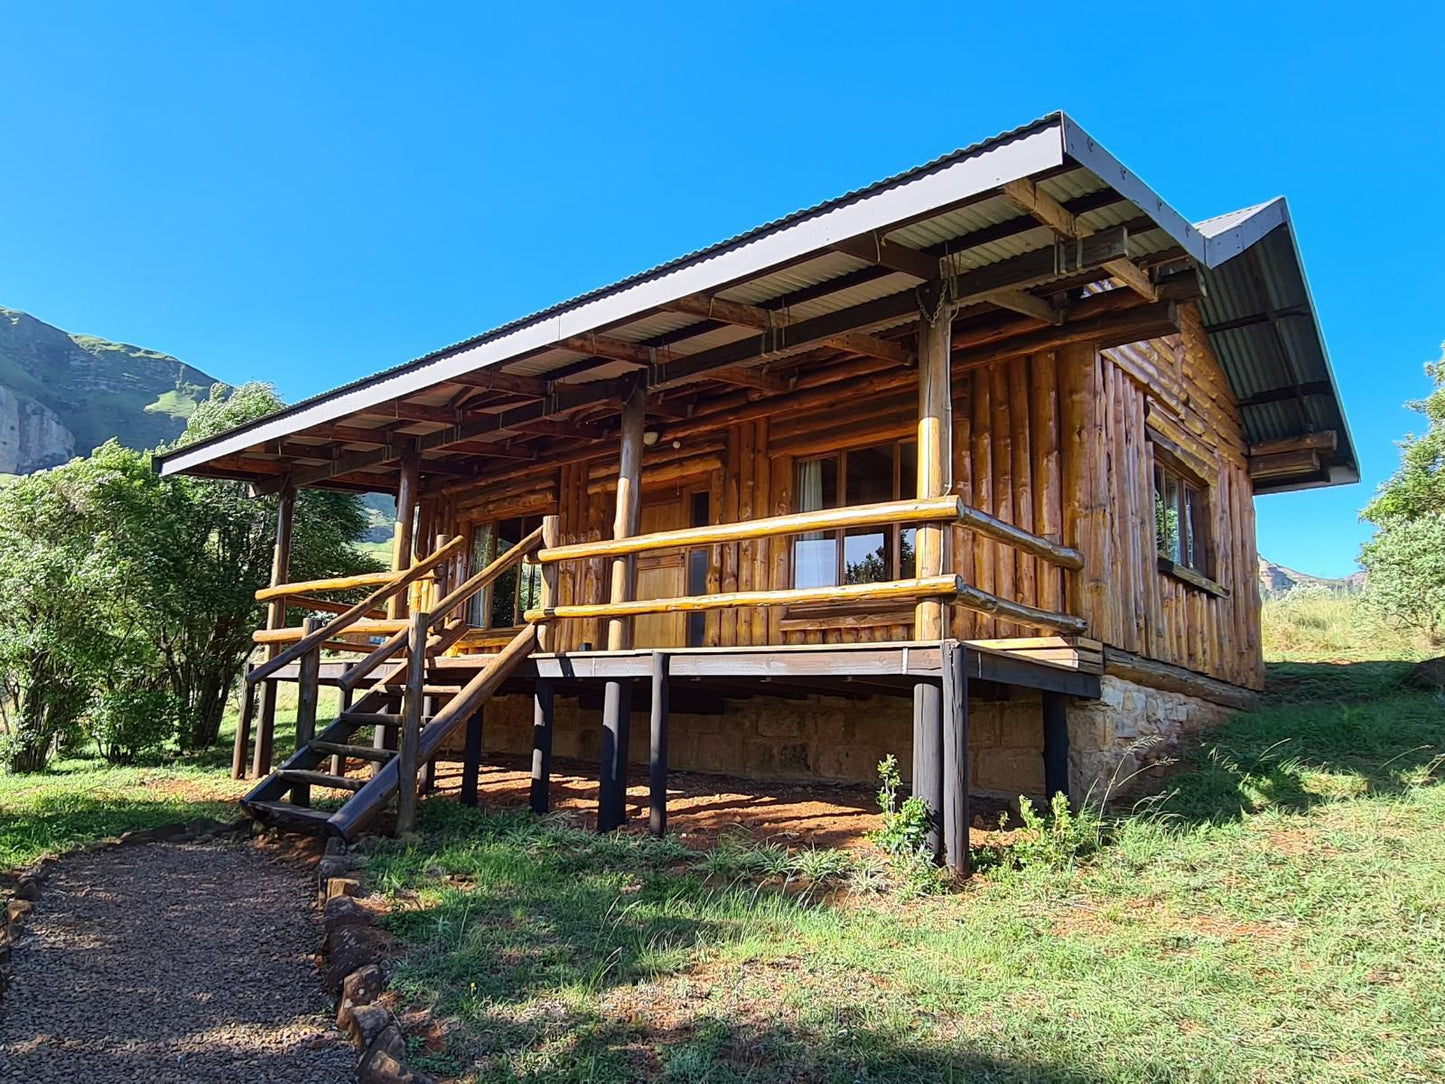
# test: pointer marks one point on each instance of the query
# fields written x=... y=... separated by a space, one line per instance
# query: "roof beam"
x=1031 y=268
x=1033 y=200
x=494 y=380
x=876 y=249
x=605 y=346
x=755 y=316
x=1026 y=304
x=1327 y=440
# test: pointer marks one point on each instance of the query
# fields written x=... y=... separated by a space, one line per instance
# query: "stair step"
x=284 y=814
x=372 y=718
x=319 y=779
x=357 y=752
x=378 y=718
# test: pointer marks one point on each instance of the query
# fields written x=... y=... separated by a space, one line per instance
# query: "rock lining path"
x=171 y=963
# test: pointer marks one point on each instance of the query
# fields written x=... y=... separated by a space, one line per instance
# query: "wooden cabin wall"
x=1055 y=442
x=1174 y=389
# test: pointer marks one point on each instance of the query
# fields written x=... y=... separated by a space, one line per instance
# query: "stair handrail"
x=462 y=594
x=399 y=581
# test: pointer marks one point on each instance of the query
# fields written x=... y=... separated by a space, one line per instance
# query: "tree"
x=197 y=550
x=1406 y=557
x=60 y=626
x=121 y=589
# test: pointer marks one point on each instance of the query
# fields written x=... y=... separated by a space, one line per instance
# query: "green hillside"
x=61 y=394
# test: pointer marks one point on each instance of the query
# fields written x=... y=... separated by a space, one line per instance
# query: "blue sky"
x=307 y=193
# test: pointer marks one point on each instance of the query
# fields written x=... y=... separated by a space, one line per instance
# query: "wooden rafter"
x=875 y=249
x=1031 y=199
x=754 y=316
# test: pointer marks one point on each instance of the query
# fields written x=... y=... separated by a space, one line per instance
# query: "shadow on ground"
x=1323 y=731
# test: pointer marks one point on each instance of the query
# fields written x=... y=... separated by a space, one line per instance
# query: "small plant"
x=1059 y=839
x=905 y=823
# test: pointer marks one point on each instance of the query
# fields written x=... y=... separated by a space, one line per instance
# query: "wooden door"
x=660 y=575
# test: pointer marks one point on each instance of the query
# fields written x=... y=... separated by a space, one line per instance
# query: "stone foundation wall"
x=820 y=738
x=1116 y=738
x=1114 y=741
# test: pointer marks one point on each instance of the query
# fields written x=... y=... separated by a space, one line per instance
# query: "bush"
x=126 y=726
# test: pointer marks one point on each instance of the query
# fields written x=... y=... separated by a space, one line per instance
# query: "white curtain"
x=815 y=555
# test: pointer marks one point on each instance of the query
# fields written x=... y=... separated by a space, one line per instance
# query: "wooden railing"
x=353 y=619
x=937 y=510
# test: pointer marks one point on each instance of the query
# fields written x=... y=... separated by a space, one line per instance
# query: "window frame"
x=1193 y=509
x=482 y=604
x=799 y=616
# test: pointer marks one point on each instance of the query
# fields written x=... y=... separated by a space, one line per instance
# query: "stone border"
x=354 y=955
x=24 y=888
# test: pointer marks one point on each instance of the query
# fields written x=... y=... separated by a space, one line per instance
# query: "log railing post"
x=275 y=619
x=308 y=689
x=406 y=761
x=243 y=727
x=547 y=591
x=935 y=455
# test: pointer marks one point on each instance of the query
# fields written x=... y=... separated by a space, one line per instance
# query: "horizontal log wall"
x=1054 y=443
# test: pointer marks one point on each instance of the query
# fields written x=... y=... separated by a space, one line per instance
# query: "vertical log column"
x=403 y=534
x=657 y=760
x=930 y=618
x=406 y=764
x=308 y=691
x=617 y=694
x=1056 y=744
x=955 y=756
x=275 y=619
x=1085 y=481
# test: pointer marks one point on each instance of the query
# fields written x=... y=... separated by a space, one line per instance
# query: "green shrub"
x=126 y=726
x=905 y=823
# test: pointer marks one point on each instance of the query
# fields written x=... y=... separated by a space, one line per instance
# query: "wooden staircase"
x=391 y=712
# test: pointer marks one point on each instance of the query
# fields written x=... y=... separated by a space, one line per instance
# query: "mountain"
x=1277 y=579
x=62 y=394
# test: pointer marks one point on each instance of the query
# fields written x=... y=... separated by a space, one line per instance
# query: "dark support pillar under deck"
x=472 y=759
x=1056 y=744
x=616 y=724
x=955 y=756
x=243 y=728
x=542 y=719
x=657 y=760
x=928 y=756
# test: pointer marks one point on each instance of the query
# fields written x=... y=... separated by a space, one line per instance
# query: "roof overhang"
x=808 y=266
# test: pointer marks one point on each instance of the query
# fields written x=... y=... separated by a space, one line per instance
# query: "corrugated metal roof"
x=931 y=207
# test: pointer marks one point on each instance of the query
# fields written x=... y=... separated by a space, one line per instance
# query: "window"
x=1181 y=518
x=697 y=561
x=517 y=589
x=860 y=554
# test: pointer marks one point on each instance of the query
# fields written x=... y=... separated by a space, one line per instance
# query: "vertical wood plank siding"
x=1057 y=442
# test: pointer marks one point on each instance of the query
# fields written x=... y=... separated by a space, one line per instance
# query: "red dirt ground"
x=702 y=807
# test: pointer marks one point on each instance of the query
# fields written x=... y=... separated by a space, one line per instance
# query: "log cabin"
x=960 y=466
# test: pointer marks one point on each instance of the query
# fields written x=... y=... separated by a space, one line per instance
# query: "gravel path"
x=171 y=963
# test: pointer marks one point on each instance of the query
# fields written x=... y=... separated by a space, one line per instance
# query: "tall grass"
x=1311 y=624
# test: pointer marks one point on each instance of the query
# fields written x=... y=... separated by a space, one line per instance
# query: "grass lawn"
x=80 y=798
x=1279 y=917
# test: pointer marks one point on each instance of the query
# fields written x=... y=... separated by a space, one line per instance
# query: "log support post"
x=308 y=690
x=617 y=694
x=542 y=720
x=1056 y=744
x=243 y=727
x=930 y=615
x=657 y=759
x=955 y=756
x=403 y=530
x=406 y=766
x=928 y=756
x=275 y=619
x=472 y=759
x=338 y=762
